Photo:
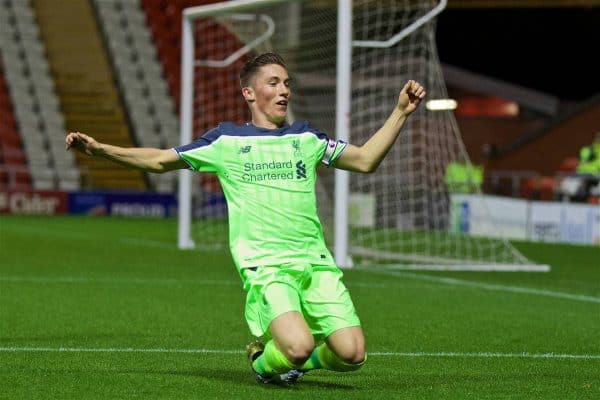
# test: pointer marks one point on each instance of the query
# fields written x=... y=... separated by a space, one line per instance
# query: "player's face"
x=272 y=93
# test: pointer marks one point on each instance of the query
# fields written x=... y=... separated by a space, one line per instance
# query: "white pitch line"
x=113 y=350
x=225 y=351
x=473 y=267
x=492 y=287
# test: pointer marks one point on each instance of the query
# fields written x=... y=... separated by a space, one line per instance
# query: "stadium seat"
x=85 y=84
x=139 y=71
x=13 y=155
x=569 y=164
x=164 y=24
x=9 y=135
x=22 y=178
x=14 y=177
x=29 y=90
x=539 y=188
x=3 y=178
x=13 y=162
x=547 y=188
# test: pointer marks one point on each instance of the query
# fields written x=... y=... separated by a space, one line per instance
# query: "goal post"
x=348 y=61
x=184 y=237
x=342 y=130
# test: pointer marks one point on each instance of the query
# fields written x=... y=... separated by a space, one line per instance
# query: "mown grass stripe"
x=156 y=281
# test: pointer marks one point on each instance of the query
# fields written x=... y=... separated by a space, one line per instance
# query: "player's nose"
x=284 y=91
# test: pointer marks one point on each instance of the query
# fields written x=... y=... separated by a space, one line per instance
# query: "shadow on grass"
x=246 y=378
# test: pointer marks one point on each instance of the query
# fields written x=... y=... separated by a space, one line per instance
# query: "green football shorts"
x=315 y=291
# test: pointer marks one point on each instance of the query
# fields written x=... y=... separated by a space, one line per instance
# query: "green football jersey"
x=268 y=177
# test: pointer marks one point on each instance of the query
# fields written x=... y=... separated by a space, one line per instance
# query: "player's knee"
x=298 y=352
x=353 y=355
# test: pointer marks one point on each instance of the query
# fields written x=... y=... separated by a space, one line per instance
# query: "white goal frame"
x=345 y=44
x=343 y=98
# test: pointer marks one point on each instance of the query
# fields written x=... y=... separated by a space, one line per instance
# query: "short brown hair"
x=251 y=67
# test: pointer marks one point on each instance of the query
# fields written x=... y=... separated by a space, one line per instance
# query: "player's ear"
x=248 y=94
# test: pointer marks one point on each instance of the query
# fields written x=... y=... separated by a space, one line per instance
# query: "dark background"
x=553 y=50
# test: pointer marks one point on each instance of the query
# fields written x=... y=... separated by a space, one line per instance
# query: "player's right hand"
x=81 y=142
x=410 y=96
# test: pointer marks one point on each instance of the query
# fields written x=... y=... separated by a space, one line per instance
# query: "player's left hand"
x=410 y=96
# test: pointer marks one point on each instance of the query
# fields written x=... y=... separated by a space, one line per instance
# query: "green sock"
x=271 y=361
x=323 y=358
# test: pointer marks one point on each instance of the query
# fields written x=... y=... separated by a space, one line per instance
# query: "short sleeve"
x=331 y=148
x=203 y=154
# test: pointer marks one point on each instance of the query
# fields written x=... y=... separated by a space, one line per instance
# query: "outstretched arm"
x=366 y=158
x=146 y=159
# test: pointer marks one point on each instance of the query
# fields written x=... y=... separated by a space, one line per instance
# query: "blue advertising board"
x=128 y=204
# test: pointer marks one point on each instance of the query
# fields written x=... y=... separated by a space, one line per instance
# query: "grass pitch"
x=105 y=308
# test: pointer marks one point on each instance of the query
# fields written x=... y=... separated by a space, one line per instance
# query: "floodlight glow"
x=441 y=104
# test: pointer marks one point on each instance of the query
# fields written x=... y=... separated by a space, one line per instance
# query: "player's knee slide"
x=343 y=366
x=355 y=363
x=356 y=357
x=298 y=354
x=359 y=360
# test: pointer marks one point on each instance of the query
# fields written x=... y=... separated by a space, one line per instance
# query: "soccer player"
x=296 y=299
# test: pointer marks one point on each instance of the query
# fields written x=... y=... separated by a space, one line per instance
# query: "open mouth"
x=282 y=103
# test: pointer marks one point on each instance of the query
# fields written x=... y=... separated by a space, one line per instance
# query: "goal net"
x=402 y=213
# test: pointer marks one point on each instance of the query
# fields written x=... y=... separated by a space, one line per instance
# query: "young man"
x=296 y=299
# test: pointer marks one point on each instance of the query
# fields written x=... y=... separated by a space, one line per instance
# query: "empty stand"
x=140 y=77
x=14 y=173
x=164 y=19
x=84 y=82
x=35 y=105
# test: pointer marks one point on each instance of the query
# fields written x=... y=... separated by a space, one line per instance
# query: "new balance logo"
x=244 y=149
x=300 y=170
